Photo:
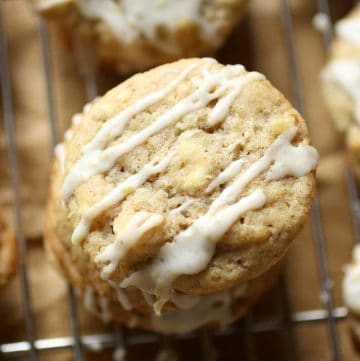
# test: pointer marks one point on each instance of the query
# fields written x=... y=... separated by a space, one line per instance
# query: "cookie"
x=7 y=252
x=128 y=36
x=190 y=178
x=340 y=81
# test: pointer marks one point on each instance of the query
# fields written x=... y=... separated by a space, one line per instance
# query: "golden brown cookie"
x=129 y=36
x=340 y=83
x=191 y=178
x=7 y=252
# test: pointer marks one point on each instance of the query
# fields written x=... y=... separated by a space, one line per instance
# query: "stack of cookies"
x=176 y=195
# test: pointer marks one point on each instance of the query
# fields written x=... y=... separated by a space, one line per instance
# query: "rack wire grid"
x=285 y=321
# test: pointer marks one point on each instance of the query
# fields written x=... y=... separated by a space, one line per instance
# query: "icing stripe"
x=183 y=207
x=129 y=20
x=349 y=30
x=117 y=194
x=191 y=250
x=213 y=308
x=223 y=105
x=140 y=223
x=98 y=161
x=60 y=156
x=113 y=128
x=297 y=166
x=227 y=174
x=346 y=73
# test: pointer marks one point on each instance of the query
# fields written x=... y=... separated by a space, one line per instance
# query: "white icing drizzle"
x=87 y=107
x=191 y=250
x=349 y=30
x=105 y=313
x=76 y=119
x=346 y=73
x=290 y=160
x=351 y=283
x=129 y=20
x=93 y=154
x=213 y=308
x=322 y=22
x=140 y=223
x=279 y=153
x=117 y=194
x=121 y=296
x=183 y=207
x=227 y=174
x=123 y=299
x=68 y=134
x=113 y=127
x=183 y=301
x=95 y=160
x=222 y=107
x=231 y=147
x=149 y=298
x=90 y=305
x=60 y=156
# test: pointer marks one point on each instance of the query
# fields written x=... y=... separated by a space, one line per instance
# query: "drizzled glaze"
x=212 y=308
x=195 y=311
x=346 y=73
x=117 y=194
x=351 y=283
x=130 y=20
x=349 y=30
x=103 y=310
x=140 y=223
x=226 y=175
x=121 y=296
x=93 y=152
x=191 y=250
x=182 y=207
x=95 y=160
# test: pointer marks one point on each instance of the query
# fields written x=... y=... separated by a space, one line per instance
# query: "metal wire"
x=15 y=181
x=45 y=55
x=326 y=288
x=247 y=328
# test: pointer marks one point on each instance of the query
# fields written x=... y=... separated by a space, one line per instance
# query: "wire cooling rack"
x=287 y=321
